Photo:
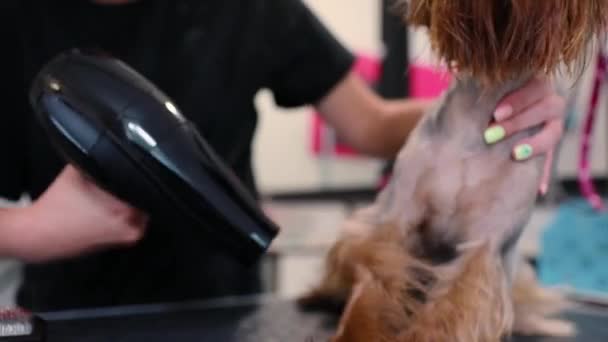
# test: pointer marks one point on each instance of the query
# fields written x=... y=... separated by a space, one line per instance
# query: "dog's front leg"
x=534 y=306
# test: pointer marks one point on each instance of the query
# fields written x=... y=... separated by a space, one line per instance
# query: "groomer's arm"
x=72 y=217
x=367 y=122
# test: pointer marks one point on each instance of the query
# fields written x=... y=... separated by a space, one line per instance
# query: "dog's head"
x=495 y=40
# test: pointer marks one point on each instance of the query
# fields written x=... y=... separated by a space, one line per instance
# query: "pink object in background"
x=585 y=178
x=427 y=81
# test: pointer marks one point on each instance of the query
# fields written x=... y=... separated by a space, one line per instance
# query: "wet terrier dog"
x=435 y=258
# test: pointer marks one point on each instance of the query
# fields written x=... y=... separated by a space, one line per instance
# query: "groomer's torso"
x=211 y=57
x=169 y=42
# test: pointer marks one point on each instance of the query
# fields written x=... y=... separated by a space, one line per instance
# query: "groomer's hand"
x=535 y=103
x=73 y=217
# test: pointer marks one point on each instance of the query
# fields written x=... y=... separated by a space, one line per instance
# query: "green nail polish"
x=523 y=152
x=494 y=134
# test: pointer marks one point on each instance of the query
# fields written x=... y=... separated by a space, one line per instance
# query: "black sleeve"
x=305 y=60
x=13 y=113
x=13 y=148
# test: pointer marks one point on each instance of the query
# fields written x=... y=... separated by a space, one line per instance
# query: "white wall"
x=569 y=154
x=283 y=161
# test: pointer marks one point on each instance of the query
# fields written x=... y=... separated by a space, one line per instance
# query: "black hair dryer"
x=119 y=129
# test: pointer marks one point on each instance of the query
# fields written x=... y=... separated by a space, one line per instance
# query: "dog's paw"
x=540 y=326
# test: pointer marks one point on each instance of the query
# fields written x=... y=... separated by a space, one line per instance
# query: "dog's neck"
x=468 y=107
x=465 y=111
x=454 y=131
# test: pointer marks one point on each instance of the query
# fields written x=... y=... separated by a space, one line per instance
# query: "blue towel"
x=574 y=249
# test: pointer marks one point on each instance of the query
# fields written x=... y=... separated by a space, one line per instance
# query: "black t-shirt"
x=211 y=57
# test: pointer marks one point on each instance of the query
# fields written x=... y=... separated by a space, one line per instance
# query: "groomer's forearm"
x=368 y=123
x=397 y=119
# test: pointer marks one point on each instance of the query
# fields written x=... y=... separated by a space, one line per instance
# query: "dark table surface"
x=236 y=319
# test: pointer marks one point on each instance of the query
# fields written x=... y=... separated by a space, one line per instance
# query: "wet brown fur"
x=493 y=40
x=384 y=273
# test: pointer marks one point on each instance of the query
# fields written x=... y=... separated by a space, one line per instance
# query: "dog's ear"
x=492 y=40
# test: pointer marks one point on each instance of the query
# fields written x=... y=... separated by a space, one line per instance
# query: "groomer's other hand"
x=537 y=102
x=73 y=217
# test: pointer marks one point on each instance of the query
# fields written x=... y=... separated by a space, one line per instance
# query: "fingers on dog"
x=519 y=100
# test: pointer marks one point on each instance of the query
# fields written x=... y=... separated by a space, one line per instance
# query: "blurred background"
x=311 y=182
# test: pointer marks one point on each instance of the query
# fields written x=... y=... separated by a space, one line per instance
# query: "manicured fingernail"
x=523 y=152
x=494 y=134
x=543 y=189
x=502 y=112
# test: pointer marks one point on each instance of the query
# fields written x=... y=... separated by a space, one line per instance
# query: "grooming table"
x=252 y=319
